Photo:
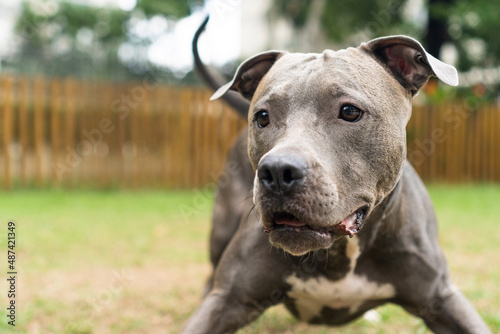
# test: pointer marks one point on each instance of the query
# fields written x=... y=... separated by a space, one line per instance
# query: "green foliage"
x=471 y=26
x=73 y=39
x=475 y=21
x=41 y=29
x=49 y=40
x=175 y=8
x=296 y=10
x=341 y=18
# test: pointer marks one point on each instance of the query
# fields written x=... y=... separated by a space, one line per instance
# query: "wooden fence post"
x=54 y=125
x=23 y=128
x=70 y=129
x=39 y=133
x=7 y=131
x=184 y=158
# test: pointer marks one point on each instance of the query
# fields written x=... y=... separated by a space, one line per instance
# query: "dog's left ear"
x=249 y=74
x=409 y=62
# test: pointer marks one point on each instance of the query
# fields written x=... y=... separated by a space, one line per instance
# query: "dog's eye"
x=350 y=113
x=262 y=118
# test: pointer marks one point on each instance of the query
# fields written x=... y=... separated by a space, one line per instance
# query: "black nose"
x=281 y=172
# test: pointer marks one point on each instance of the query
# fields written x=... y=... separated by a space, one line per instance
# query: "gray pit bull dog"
x=342 y=223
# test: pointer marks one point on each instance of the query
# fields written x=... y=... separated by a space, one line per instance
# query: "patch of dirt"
x=107 y=300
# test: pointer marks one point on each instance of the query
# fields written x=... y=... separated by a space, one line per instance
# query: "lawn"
x=136 y=262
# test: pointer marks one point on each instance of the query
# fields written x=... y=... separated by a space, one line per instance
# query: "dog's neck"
x=392 y=201
x=382 y=221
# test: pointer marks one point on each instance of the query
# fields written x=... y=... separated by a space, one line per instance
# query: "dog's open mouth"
x=348 y=226
x=288 y=231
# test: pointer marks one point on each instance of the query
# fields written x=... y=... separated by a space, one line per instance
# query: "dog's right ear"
x=249 y=74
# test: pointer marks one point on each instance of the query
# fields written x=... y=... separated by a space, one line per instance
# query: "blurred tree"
x=371 y=18
x=471 y=26
x=437 y=26
x=80 y=40
x=70 y=39
x=173 y=8
x=340 y=20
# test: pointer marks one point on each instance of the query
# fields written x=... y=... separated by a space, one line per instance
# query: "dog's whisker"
x=247 y=197
x=245 y=221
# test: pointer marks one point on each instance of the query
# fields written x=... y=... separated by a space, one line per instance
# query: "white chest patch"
x=351 y=292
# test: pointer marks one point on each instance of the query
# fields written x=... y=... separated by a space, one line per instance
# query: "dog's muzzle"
x=295 y=214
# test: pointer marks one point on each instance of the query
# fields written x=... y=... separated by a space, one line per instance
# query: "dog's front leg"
x=222 y=313
x=449 y=312
x=248 y=280
x=457 y=316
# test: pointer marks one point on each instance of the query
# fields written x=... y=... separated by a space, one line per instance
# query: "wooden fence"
x=64 y=133
x=67 y=133
x=458 y=142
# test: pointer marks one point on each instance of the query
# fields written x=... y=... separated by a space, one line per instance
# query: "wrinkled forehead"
x=344 y=72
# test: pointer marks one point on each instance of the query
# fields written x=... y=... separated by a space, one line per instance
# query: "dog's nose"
x=281 y=172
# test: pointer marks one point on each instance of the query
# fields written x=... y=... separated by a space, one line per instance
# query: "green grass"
x=136 y=262
x=96 y=227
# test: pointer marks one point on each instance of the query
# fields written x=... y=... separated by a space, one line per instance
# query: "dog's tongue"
x=287 y=219
x=349 y=225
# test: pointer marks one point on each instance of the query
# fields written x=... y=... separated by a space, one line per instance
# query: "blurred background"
x=110 y=148
x=67 y=66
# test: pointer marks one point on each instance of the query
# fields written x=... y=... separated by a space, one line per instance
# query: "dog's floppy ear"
x=249 y=74
x=409 y=62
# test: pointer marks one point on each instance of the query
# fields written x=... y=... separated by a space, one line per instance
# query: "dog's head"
x=327 y=134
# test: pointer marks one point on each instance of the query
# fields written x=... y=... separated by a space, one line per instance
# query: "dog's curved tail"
x=214 y=80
